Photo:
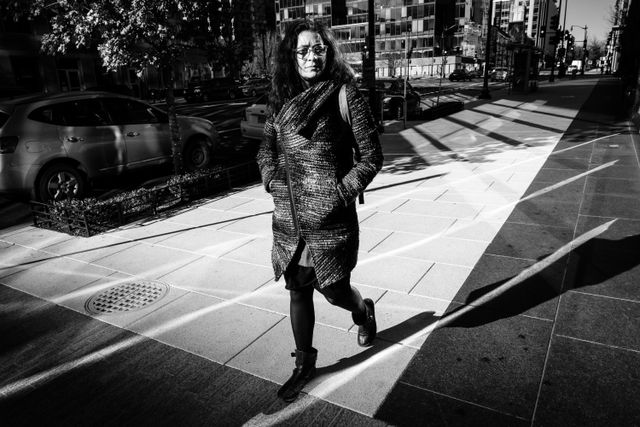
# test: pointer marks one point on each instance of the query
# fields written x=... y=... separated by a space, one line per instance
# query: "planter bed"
x=87 y=217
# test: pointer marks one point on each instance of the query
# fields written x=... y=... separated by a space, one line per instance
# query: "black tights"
x=302 y=312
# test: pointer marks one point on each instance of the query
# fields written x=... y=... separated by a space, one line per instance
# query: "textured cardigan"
x=307 y=164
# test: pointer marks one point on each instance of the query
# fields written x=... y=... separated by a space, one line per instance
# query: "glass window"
x=84 y=112
x=129 y=111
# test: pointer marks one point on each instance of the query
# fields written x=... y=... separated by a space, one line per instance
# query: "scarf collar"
x=298 y=112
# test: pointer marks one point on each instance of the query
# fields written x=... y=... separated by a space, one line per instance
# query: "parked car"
x=255 y=86
x=252 y=123
x=392 y=89
x=212 y=89
x=499 y=74
x=459 y=74
x=54 y=147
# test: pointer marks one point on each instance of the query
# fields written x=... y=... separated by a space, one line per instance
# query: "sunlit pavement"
x=500 y=245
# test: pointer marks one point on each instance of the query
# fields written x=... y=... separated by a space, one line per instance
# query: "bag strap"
x=344 y=105
x=346 y=117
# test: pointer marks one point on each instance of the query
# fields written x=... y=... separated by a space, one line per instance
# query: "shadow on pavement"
x=389 y=336
x=594 y=263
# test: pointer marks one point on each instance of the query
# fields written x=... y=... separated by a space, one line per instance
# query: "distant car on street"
x=392 y=89
x=206 y=90
x=53 y=147
x=459 y=74
x=254 y=116
x=255 y=86
x=499 y=74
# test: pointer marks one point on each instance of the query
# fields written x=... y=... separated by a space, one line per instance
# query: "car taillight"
x=8 y=144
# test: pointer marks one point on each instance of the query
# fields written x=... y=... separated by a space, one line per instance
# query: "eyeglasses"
x=318 y=50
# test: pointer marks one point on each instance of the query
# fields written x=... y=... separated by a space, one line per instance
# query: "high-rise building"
x=426 y=28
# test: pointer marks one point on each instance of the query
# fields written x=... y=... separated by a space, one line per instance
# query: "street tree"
x=132 y=33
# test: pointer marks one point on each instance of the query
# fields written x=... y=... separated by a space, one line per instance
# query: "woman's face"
x=311 y=55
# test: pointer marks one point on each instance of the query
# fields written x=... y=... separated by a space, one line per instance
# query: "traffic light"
x=570 y=42
x=409 y=53
x=554 y=22
x=567 y=35
x=543 y=31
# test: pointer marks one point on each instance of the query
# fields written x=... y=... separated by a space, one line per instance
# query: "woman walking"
x=316 y=118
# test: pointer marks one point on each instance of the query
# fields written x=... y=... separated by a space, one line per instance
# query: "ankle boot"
x=367 y=327
x=304 y=371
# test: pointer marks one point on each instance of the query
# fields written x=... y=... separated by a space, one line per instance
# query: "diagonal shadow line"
x=394 y=335
x=382 y=187
x=517 y=121
x=490 y=134
x=576 y=118
x=436 y=143
x=140 y=239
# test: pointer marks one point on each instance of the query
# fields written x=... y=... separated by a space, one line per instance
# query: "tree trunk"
x=174 y=126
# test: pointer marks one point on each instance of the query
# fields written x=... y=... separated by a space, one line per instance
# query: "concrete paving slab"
x=589 y=384
x=613 y=186
x=418 y=224
x=223 y=278
x=480 y=230
x=206 y=241
x=206 y=218
x=206 y=326
x=257 y=224
x=395 y=273
x=37 y=238
x=442 y=281
x=402 y=318
x=504 y=357
x=529 y=241
x=163 y=260
x=441 y=209
x=599 y=319
x=255 y=251
x=55 y=277
x=89 y=249
x=151 y=231
x=371 y=237
x=611 y=205
x=435 y=249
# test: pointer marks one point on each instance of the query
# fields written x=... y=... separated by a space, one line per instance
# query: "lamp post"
x=484 y=94
x=584 y=47
x=443 y=62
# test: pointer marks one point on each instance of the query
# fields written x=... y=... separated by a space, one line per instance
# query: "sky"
x=594 y=14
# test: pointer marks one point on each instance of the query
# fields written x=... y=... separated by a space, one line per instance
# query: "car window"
x=129 y=111
x=83 y=112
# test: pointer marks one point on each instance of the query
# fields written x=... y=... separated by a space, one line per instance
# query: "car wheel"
x=232 y=95
x=59 y=182
x=197 y=154
x=254 y=93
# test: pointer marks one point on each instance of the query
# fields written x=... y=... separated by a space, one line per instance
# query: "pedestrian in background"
x=307 y=164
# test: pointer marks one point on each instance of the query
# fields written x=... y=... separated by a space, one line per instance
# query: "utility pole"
x=484 y=94
x=369 y=62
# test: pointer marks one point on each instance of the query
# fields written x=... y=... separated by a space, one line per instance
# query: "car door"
x=145 y=130
x=88 y=135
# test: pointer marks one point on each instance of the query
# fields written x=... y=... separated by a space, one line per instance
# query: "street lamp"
x=443 y=62
x=584 y=46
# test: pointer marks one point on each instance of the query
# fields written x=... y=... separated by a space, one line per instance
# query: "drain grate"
x=128 y=296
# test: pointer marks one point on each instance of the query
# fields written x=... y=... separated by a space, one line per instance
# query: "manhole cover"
x=128 y=296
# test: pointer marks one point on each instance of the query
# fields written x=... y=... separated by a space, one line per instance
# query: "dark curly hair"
x=286 y=82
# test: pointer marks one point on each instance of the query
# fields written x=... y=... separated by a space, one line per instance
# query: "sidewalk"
x=491 y=309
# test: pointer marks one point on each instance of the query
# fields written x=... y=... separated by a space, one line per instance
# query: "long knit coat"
x=307 y=164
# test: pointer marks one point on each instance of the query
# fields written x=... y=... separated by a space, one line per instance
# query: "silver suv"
x=53 y=147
